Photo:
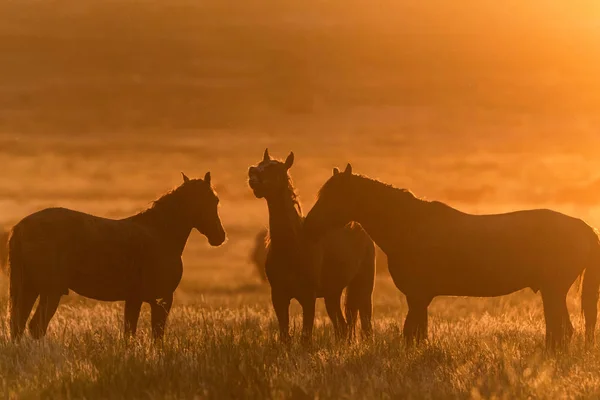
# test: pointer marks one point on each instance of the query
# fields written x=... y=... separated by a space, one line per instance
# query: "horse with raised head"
x=436 y=250
x=297 y=269
x=136 y=259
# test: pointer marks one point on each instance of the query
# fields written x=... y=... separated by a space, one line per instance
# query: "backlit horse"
x=436 y=250
x=296 y=269
x=136 y=259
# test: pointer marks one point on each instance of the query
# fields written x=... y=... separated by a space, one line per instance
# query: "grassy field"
x=489 y=108
x=221 y=340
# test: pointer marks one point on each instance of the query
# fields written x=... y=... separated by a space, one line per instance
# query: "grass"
x=221 y=338
x=220 y=348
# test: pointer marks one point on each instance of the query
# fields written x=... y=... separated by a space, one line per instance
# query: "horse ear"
x=207 y=177
x=289 y=161
x=185 y=178
x=348 y=169
x=336 y=171
x=266 y=156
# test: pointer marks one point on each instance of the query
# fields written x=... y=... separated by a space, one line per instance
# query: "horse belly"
x=446 y=276
x=104 y=282
x=113 y=293
x=159 y=279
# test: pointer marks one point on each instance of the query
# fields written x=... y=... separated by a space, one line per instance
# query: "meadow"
x=221 y=340
x=103 y=104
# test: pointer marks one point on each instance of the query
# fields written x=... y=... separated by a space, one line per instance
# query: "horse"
x=436 y=250
x=296 y=269
x=135 y=259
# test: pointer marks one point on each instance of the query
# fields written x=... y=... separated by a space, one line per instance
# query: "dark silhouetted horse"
x=435 y=250
x=136 y=259
x=302 y=271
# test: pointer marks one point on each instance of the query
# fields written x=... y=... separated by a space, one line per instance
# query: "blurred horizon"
x=108 y=68
x=489 y=107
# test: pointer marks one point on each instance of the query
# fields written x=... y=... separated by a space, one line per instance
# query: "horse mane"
x=293 y=194
x=162 y=200
x=374 y=187
x=404 y=193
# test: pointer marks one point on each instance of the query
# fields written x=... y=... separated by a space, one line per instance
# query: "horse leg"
x=281 y=304
x=132 y=314
x=366 y=312
x=566 y=321
x=352 y=311
x=558 y=323
x=43 y=314
x=21 y=305
x=590 y=311
x=359 y=297
x=334 y=310
x=308 y=318
x=415 y=326
x=159 y=311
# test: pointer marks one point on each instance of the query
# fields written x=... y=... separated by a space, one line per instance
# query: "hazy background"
x=490 y=106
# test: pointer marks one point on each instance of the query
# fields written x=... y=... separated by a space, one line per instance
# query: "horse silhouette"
x=296 y=269
x=436 y=250
x=136 y=259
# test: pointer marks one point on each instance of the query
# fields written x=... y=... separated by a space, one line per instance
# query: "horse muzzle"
x=255 y=183
x=217 y=240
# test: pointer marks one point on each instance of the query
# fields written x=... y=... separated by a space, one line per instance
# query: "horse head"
x=270 y=177
x=200 y=202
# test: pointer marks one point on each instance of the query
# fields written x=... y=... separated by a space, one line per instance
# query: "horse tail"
x=4 y=252
x=359 y=293
x=589 y=293
x=16 y=280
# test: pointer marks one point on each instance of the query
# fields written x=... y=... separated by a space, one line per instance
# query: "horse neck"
x=165 y=218
x=285 y=219
x=387 y=213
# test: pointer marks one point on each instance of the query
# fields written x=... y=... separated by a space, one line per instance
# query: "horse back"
x=96 y=257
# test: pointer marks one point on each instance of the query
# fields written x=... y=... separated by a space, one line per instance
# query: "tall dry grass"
x=226 y=348
x=221 y=340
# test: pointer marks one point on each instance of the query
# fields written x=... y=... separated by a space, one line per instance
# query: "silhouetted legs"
x=334 y=310
x=366 y=312
x=351 y=318
x=591 y=315
x=281 y=304
x=558 y=323
x=43 y=314
x=308 y=318
x=159 y=310
x=359 y=300
x=415 y=326
x=132 y=314
x=21 y=304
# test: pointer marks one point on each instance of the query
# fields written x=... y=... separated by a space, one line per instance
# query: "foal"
x=298 y=270
x=136 y=259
